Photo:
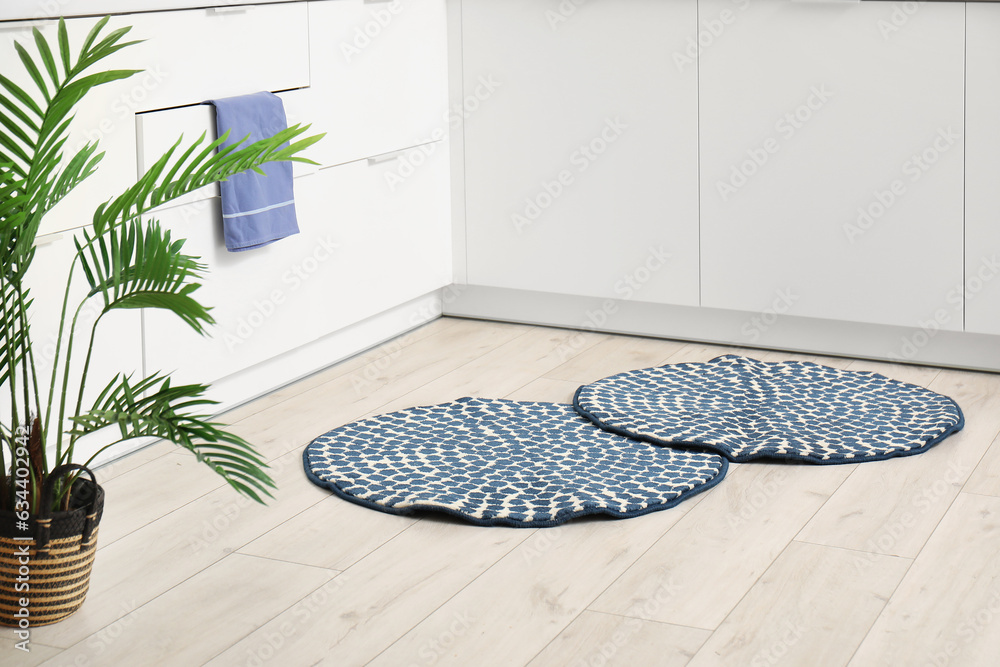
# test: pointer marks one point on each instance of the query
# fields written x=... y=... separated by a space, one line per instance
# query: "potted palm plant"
x=50 y=504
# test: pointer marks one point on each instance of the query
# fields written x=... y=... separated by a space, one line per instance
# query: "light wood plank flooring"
x=889 y=563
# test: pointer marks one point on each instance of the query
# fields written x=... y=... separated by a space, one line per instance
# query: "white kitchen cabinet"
x=982 y=181
x=832 y=160
x=158 y=131
x=379 y=76
x=101 y=117
x=44 y=9
x=187 y=57
x=200 y=54
x=118 y=344
x=368 y=243
x=581 y=154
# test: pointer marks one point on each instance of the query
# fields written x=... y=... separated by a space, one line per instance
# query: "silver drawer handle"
x=46 y=239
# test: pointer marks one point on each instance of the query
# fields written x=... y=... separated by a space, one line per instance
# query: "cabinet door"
x=117 y=344
x=368 y=242
x=832 y=159
x=581 y=153
x=379 y=76
x=158 y=131
x=118 y=339
x=982 y=259
x=18 y=9
x=187 y=57
x=98 y=117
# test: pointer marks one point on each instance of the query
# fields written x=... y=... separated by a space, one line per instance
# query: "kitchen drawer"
x=157 y=131
x=368 y=243
x=200 y=54
x=379 y=76
x=42 y=9
x=832 y=182
x=188 y=57
x=981 y=289
x=118 y=345
x=581 y=157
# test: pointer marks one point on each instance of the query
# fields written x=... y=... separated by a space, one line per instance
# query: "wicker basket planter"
x=48 y=565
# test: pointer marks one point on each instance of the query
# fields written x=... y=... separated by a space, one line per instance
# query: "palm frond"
x=127 y=259
x=169 y=178
x=165 y=411
x=136 y=265
x=13 y=335
x=33 y=134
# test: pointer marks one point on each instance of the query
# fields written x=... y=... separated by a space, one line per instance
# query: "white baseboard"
x=267 y=376
x=727 y=327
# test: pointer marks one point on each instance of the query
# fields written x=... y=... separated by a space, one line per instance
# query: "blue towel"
x=256 y=210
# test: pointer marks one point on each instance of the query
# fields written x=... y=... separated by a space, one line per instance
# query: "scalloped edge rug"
x=496 y=462
x=747 y=410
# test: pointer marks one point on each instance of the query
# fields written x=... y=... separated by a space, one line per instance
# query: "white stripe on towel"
x=259 y=210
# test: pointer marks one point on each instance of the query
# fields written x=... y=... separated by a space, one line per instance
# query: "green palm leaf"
x=33 y=149
x=137 y=265
x=13 y=336
x=127 y=260
x=196 y=170
x=164 y=411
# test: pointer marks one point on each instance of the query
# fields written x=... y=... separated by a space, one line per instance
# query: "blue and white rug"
x=499 y=462
x=746 y=409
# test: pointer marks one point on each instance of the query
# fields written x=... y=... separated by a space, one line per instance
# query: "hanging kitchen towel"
x=256 y=210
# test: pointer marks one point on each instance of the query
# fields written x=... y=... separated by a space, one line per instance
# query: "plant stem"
x=65 y=384
x=55 y=361
x=25 y=346
x=83 y=383
x=9 y=333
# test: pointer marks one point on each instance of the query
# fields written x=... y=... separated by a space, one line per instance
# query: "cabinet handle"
x=23 y=26
x=392 y=155
x=385 y=157
x=231 y=9
x=46 y=239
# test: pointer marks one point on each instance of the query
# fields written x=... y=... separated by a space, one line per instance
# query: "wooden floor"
x=889 y=563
